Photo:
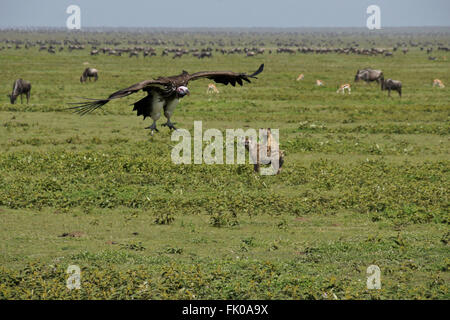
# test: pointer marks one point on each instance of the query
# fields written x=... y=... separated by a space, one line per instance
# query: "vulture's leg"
x=153 y=127
x=168 y=111
x=169 y=124
x=152 y=105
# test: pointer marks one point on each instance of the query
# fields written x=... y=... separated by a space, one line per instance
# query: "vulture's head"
x=182 y=91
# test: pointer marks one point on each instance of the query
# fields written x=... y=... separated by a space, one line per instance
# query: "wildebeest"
x=20 y=87
x=134 y=53
x=369 y=75
x=89 y=73
x=205 y=54
x=149 y=53
x=390 y=84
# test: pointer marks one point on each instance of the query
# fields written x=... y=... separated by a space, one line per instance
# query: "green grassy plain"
x=365 y=181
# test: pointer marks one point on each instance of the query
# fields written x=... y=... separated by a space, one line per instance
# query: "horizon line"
x=219 y=28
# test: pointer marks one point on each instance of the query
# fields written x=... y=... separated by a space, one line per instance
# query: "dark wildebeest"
x=149 y=53
x=20 y=87
x=89 y=73
x=390 y=84
x=369 y=75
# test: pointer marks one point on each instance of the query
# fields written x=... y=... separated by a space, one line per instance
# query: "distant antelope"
x=212 y=88
x=438 y=83
x=319 y=83
x=300 y=77
x=20 y=87
x=343 y=87
x=89 y=73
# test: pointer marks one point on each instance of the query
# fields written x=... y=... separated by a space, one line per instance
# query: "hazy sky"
x=224 y=13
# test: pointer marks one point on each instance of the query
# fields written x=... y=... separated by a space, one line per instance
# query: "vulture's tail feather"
x=83 y=108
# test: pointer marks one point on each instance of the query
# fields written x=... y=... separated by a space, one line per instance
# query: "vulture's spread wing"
x=226 y=77
x=161 y=85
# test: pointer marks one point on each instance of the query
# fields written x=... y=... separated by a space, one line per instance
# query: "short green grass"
x=365 y=181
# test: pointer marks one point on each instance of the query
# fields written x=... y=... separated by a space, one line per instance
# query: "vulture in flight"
x=164 y=93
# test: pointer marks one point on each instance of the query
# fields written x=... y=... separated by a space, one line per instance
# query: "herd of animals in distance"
x=145 y=49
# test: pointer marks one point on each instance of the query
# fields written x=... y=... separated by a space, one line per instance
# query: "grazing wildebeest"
x=390 y=84
x=89 y=73
x=369 y=75
x=20 y=87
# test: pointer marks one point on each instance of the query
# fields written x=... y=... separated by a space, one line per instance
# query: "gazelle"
x=300 y=77
x=438 y=83
x=319 y=83
x=343 y=87
x=212 y=88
